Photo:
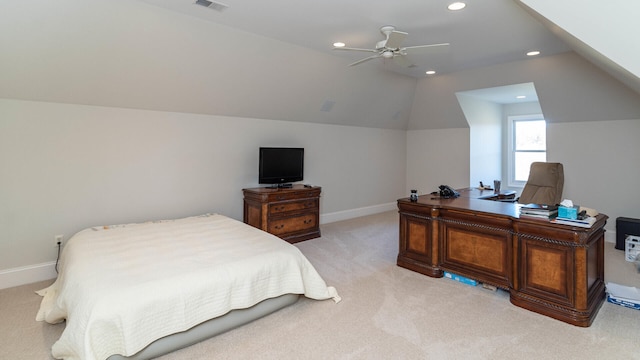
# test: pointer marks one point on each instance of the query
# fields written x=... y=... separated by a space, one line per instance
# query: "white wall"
x=600 y=165
x=67 y=167
x=436 y=157
x=485 y=139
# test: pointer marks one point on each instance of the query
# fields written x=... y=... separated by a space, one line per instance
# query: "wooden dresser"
x=292 y=214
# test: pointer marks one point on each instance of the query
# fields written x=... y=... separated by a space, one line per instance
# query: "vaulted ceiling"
x=483 y=33
x=275 y=60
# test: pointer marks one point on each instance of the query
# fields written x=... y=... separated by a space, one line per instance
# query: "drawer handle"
x=280 y=197
x=310 y=204
x=280 y=208
x=308 y=221
x=278 y=227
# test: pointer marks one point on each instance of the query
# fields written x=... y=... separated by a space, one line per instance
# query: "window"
x=527 y=144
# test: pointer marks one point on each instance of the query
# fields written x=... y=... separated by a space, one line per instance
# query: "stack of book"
x=539 y=211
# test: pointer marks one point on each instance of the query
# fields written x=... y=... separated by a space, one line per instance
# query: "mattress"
x=210 y=328
x=122 y=287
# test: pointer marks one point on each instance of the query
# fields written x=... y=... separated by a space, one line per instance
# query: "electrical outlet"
x=57 y=240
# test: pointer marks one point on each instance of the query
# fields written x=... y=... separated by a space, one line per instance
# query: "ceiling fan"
x=391 y=48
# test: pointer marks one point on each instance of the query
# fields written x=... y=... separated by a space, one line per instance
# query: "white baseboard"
x=354 y=213
x=40 y=272
x=27 y=274
x=45 y=271
x=610 y=236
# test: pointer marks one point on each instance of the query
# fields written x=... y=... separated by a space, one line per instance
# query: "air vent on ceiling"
x=215 y=5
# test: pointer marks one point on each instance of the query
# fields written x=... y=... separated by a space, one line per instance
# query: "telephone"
x=447 y=192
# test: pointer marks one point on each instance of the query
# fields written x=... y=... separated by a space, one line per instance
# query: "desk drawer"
x=475 y=251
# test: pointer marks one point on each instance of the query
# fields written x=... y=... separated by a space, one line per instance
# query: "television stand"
x=292 y=214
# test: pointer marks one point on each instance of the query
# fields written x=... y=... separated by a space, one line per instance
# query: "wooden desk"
x=555 y=270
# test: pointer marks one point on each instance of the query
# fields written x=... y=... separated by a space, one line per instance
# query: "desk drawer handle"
x=278 y=227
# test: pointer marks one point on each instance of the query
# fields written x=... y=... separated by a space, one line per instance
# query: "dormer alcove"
x=489 y=112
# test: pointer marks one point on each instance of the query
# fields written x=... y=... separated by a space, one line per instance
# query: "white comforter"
x=122 y=287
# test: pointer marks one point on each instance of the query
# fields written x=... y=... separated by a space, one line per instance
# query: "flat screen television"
x=280 y=166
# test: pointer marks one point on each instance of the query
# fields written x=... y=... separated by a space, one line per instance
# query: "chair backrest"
x=544 y=185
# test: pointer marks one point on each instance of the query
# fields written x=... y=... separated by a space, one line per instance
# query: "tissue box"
x=568 y=212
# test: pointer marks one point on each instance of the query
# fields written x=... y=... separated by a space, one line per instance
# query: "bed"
x=142 y=290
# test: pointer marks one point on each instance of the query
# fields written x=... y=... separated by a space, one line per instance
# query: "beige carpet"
x=386 y=313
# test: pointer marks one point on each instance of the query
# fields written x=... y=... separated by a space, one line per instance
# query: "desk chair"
x=544 y=185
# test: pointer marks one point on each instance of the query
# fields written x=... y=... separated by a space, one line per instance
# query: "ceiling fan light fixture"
x=389 y=49
x=430 y=72
x=456 y=6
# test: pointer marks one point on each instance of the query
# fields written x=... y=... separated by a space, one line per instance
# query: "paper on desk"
x=626 y=293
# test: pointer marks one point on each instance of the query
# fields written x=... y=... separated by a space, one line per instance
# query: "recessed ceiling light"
x=338 y=44
x=533 y=53
x=456 y=6
x=521 y=97
x=430 y=72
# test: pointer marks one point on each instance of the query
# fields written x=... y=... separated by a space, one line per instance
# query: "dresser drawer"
x=293 y=224
x=292 y=195
x=282 y=207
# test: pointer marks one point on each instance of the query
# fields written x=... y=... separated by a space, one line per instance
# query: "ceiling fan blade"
x=424 y=48
x=395 y=39
x=365 y=59
x=354 y=49
x=402 y=61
